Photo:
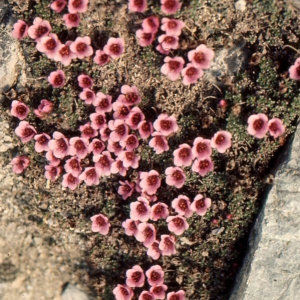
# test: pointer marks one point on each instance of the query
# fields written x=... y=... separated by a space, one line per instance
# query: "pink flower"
x=170 y=6
x=114 y=147
x=101 y=58
x=79 y=147
x=182 y=206
x=130 y=226
x=140 y=210
x=177 y=224
x=203 y=166
x=145 y=38
x=151 y=24
x=159 y=143
x=73 y=166
x=134 y=118
x=167 y=245
x=121 y=111
x=39 y=29
x=98 y=120
x=123 y=292
x=81 y=47
x=183 y=155
x=52 y=172
x=70 y=181
x=158 y=291
x=41 y=143
x=19 y=110
x=137 y=5
x=159 y=211
x=103 y=163
x=54 y=161
x=71 y=20
x=57 y=78
x=155 y=275
x=145 y=295
x=100 y=224
x=175 y=177
x=58 y=5
x=150 y=182
x=258 y=125
x=165 y=124
x=96 y=146
x=200 y=205
x=105 y=133
x=64 y=54
x=221 y=141
x=77 y=6
x=135 y=277
x=153 y=250
x=60 y=145
x=130 y=143
x=126 y=189
x=150 y=198
x=172 y=26
x=114 y=47
x=129 y=159
x=201 y=148
x=146 y=234
x=201 y=57
x=103 y=103
x=44 y=108
x=20 y=30
x=145 y=129
x=87 y=131
x=191 y=74
x=85 y=81
x=180 y=295
x=25 y=131
x=90 y=176
x=172 y=67
x=168 y=42
x=119 y=130
x=20 y=163
x=118 y=167
x=130 y=95
x=276 y=127
x=49 y=45
x=161 y=50
x=294 y=70
x=88 y=96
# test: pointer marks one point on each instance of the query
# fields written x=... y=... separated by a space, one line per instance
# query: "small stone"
x=72 y=293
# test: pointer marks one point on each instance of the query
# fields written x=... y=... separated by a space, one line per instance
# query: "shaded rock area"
x=271 y=268
x=11 y=63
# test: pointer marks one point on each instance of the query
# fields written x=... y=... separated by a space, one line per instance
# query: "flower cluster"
x=199 y=59
x=135 y=277
x=259 y=125
x=141 y=212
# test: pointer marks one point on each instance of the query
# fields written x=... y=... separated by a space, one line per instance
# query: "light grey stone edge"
x=271 y=269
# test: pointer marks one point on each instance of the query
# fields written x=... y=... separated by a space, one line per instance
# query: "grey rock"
x=229 y=61
x=11 y=63
x=72 y=293
x=271 y=268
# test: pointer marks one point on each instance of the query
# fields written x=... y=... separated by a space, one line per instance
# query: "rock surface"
x=271 y=268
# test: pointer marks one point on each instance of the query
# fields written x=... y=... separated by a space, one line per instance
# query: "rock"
x=72 y=293
x=10 y=56
x=228 y=61
x=271 y=268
